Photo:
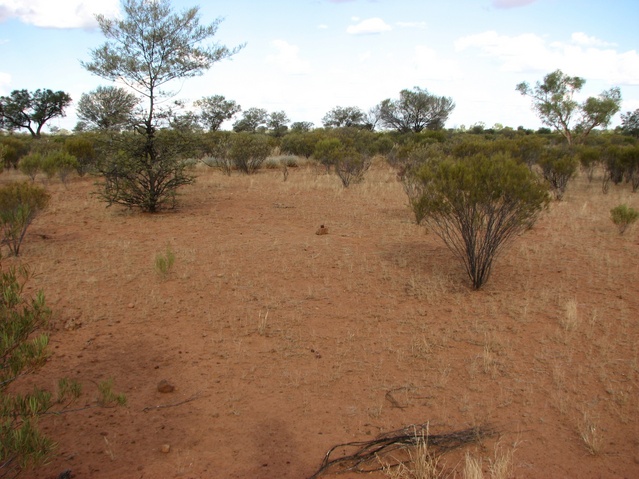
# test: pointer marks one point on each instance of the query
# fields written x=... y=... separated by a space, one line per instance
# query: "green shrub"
x=23 y=351
x=20 y=203
x=248 y=151
x=351 y=166
x=31 y=165
x=83 y=149
x=60 y=163
x=558 y=166
x=327 y=152
x=623 y=216
x=477 y=204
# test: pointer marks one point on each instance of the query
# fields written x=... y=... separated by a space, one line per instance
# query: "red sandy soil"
x=282 y=343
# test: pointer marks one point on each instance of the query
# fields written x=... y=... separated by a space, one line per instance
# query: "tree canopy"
x=415 y=110
x=24 y=109
x=215 y=110
x=553 y=100
x=106 y=108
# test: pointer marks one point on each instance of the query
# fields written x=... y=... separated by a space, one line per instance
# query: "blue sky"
x=308 y=56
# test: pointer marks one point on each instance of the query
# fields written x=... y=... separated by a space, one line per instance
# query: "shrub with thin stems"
x=623 y=216
x=20 y=203
x=351 y=166
x=31 y=165
x=248 y=151
x=61 y=163
x=478 y=204
x=558 y=166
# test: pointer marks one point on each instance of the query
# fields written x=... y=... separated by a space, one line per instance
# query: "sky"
x=306 y=57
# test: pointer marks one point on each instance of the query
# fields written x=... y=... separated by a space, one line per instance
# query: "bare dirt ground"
x=282 y=343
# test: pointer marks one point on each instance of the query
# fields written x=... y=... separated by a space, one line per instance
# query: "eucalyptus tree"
x=553 y=100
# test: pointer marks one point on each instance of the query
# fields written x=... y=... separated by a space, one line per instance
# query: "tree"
x=106 y=108
x=630 y=123
x=554 y=102
x=277 y=123
x=23 y=109
x=341 y=117
x=302 y=126
x=477 y=205
x=215 y=110
x=148 y=48
x=415 y=110
x=251 y=120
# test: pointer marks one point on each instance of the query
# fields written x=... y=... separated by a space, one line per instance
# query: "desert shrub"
x=327 y=152
x=630 y=162
x=31 y=165
x=614 y=167
x=15 y=147
x=351 y=166
x=216 y=147
x=589 y=158
x=23 y=351
x=20 y=203
x=138 y=173
x=300 y=143
x=477 y=205
x=558 y=166
x=83 y=149
x=249 y=151
x=61 y=163
x=623 y=216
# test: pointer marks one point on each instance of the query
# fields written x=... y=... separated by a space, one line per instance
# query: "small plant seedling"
x=164 y=262
x=623 y=216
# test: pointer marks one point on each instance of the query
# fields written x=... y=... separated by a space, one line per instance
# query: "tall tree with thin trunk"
x=553 y=100
x=148 y=48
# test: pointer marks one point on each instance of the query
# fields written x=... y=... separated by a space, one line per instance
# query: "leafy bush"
x=61 y=163
x=248 y=151
x=31 y=165
x=139 y=173
x=477 y=204
x=83 y=149
x=351 y=166
x=623 y=216
x=558 y=166
x=327 y=152
x=20 y=203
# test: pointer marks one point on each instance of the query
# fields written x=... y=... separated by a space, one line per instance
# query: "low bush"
x=623 y=216
x=20 y=203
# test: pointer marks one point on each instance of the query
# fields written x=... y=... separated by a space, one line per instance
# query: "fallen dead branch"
x=192 y=398
x=367 y=455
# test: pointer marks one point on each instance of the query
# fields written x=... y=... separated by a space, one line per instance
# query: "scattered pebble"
x=165 y=386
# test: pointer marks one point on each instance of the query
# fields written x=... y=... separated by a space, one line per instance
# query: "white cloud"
x=58 y=14
x=580 y=38
x=369 y=26
x=582 y=55
x=322 y=26
x=429 y=65
x=287 y=58
x=511 y=3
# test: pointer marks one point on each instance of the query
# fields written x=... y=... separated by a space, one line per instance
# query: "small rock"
x=131 y=305
x=165 y=448
x=165 y=387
